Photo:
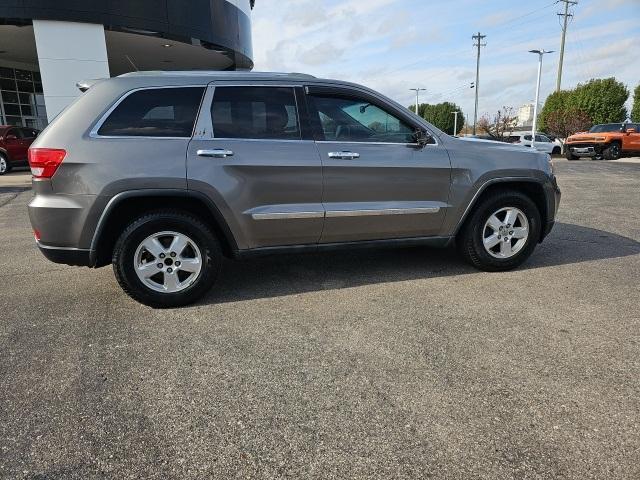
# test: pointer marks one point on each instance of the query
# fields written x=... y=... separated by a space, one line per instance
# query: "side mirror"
x=423 y=138
x=631 y=130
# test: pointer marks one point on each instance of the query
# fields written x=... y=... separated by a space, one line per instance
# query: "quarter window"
x=263 y=113
x=157 y=112
x=356 y=120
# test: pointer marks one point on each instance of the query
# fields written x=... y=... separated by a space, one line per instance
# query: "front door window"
x=357 y=120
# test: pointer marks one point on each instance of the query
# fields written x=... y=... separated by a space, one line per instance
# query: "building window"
x=21 y=98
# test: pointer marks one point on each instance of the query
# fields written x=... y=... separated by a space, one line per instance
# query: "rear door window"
x=260 y=113
x=156 y=112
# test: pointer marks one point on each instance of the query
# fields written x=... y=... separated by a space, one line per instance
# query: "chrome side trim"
x=380 y=212
x=225 y=139
x=343 y=213
x=340 y=142
x=286 y=215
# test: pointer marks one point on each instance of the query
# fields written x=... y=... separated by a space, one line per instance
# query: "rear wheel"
x=167 y=259
x=4 y=165
x=612 y=152
x=501 y=233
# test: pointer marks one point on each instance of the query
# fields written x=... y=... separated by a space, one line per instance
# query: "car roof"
x=222 y=75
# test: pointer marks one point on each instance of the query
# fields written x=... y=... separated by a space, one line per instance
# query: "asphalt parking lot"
x=367 y=364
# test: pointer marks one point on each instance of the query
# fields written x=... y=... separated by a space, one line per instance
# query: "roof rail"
x=221 y=73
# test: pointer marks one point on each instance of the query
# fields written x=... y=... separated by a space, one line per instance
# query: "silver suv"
x=164 y=173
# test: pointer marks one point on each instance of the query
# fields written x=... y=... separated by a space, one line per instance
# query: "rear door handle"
x=215 y=153
x=344 y=155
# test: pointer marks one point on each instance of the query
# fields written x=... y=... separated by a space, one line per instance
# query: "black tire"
x=570 y=156
x=160 y=221
x=612 y=152
x=556 y=151
x=470 y=238
x=7 y=166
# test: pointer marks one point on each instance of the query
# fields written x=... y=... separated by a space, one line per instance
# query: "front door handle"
x=344 y=155
x=215 y=153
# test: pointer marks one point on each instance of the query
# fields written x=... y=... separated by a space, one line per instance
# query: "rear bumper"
x=69 y=256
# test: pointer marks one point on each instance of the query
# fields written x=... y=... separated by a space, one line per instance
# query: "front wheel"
x=167 y=259
x=568 y=155
x=501 y=233
x=612 y=152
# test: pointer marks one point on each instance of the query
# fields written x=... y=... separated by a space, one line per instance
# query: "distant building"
x=525 y=115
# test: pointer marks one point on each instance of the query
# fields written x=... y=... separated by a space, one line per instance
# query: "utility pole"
x=478 y=43
x=540 y=54
x=566 y=16
x=418 y=90
x=455 y=124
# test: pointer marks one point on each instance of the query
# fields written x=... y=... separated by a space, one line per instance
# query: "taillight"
x=45 y=161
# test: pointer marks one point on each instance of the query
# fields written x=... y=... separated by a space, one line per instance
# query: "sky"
x=395 y=45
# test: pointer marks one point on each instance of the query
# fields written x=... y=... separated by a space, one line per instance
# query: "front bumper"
x=586 y=150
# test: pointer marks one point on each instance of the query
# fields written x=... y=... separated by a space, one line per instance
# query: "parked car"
x=542 y=142
x=161 y=174
x=14 y=144
x=609 y=141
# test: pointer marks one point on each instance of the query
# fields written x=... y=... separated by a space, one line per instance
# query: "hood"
x=590 y=136
x=495 y=144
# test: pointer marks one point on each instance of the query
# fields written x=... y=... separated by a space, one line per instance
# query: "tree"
x=635 y=111
x=602 y=99
x=556 y=102
x=501 y=125
x=441 y=116
x=563 y=123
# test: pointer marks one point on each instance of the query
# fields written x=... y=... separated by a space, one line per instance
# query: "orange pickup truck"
x=609 y=141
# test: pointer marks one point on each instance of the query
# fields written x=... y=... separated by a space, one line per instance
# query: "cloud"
x=320 y=54
x=394 y=45
x=309 y=13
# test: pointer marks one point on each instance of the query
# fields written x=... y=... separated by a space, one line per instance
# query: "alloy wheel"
x=3 y=165
x=505 y=233
x=168 y=262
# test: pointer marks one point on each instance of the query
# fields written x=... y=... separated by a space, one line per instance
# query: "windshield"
x=608 y=127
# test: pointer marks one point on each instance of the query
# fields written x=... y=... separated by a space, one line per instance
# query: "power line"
x=477 y=43
x=565 y=16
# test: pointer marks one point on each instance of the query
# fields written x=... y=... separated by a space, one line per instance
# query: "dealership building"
x=47 y=46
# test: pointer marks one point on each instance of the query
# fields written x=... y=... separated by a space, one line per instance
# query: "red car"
x=14 y=144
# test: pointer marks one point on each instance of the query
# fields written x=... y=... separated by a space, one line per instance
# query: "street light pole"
x=455 y=123
x=418 y=90
x=535 y=105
